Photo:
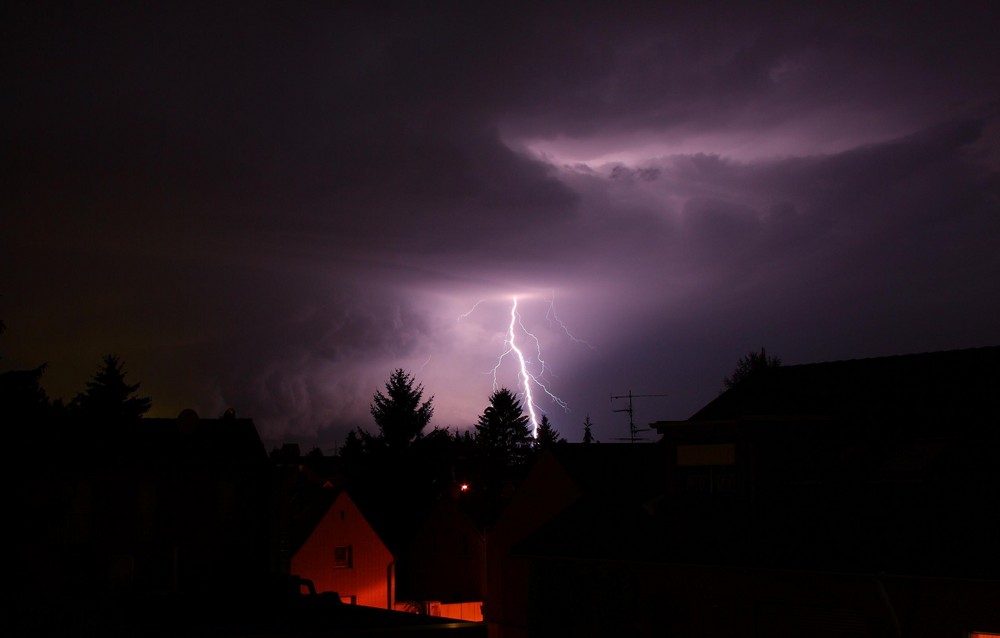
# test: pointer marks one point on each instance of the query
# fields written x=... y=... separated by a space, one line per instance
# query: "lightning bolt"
x=527 y=378
x=537 y=379
x=470 y=311
x=552 y=317
x=517 y=339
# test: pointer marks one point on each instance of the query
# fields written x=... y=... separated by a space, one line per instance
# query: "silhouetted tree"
x=109 y=397
x=22 y=398
x=352 y=447
x=588 y=436
x=465 y=446
x=748 y=364
x=399 y=413
x=432 y=458
x=360 y=443
x=502 y=431
x=21 y=394
x=437 y=438
x=546 y=436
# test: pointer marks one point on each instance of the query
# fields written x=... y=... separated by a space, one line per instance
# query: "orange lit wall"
x=471 y=612
x=370 y=578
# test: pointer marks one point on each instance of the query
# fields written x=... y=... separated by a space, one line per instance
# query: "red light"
x=464 y=487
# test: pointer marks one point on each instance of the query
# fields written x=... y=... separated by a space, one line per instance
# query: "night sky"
x=271 y=206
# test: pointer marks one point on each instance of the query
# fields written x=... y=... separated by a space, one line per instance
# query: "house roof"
x=465 y=509
x=394 y=514
x=151 y=445
x=232 y=439
x=926 y=387
x=392 y=518
x=308 y=501
x=630 y=471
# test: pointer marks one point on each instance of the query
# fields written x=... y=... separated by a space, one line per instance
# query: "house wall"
x=546 y=491
x=370 y=579
x=605 y=598
x=447 y=558
x=159 y=519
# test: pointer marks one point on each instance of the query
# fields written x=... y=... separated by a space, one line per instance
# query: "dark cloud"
x=271 y=206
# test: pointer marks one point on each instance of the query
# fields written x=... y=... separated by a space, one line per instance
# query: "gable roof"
x=625 y=470
x=459 y=508
x=932 y=387
x=147 y=446
x=308 y=503
x=232 y=439
x=392 y=520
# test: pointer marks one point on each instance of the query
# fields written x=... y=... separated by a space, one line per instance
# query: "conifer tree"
x=748 y=364
x=399 y=413
x=588 y=436
x=547 y=436
x=109 y=397
x=502 y=431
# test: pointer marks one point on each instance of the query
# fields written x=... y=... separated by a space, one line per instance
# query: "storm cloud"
x=271 y=206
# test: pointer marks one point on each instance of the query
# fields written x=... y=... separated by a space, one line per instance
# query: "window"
x=714 y=454
x=122 y=571
x=711 y=480
x=342 y=557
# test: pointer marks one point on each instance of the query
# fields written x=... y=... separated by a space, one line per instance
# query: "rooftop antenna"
x=633 y=431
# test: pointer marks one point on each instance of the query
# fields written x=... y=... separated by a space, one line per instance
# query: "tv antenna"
x=633 y=431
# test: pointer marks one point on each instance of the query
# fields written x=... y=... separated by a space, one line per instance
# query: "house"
x=403 y=513
x=365 y=539
x=563 y=477
x=152 y=506
x=447 y=562
x=851 y=498
x=341 y=552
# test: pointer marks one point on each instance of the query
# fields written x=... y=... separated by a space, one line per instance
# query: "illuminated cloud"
x=273 y=206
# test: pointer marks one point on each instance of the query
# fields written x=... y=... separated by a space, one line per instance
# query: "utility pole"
x=633 y=431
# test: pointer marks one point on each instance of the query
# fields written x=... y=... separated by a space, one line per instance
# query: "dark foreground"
x=171 y=616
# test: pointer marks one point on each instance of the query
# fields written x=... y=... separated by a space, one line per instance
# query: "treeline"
x=502 y=438
x=107 y=397
x=503 y=431
x=404 y=453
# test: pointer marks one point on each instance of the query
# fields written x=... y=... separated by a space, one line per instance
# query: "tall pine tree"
x=109 y=397
x=547 y=436
x=502 y=431
x=400 y=413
